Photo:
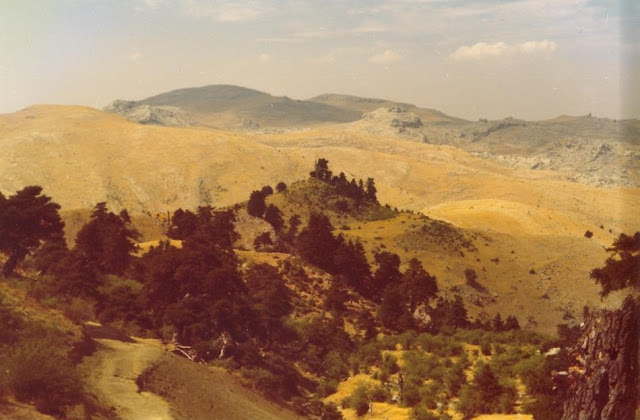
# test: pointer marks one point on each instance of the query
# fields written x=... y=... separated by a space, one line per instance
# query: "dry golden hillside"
x=532 y=219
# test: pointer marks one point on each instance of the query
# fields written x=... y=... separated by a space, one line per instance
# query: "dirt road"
x=111 y=374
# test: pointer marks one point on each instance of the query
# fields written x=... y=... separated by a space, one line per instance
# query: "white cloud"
x=482 y=50
x=386 y=57
x=228 y=10
x=264 y=57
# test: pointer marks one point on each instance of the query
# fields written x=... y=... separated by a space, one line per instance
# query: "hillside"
x=241 y=108
x=365 y=105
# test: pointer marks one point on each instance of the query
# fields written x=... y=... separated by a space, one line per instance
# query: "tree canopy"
x=26 y=219
x=622 y=268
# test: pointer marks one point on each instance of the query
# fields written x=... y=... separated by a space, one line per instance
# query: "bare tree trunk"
x=604 y=380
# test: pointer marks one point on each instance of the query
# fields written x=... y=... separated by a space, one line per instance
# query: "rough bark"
x=604 y=378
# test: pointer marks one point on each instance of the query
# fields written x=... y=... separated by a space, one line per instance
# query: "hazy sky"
x=530 y=59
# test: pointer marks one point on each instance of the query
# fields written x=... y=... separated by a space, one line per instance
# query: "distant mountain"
x=238 y=107
x=365 y=105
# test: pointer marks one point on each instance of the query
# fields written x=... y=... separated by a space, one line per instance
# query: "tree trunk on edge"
x=604 y=379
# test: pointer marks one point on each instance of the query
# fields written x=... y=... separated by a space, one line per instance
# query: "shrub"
x=422 y=413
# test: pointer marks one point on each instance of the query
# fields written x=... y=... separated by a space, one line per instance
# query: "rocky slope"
x=240 y=108
x=169 y=116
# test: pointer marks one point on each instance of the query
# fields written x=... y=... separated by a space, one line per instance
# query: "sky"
x=530 y=59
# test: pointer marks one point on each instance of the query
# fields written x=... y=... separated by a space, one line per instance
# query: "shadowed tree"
x=107 y=240
x=388 y=273
x=26 y=219
x=183 y=224
x=420 y=287
x=316 y=243
x=622 y=268
x=256 y=206
x=273 y=216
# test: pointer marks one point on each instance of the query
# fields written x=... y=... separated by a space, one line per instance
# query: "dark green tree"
x=420 y=287
x=511 y=323
x=336 y=297
x=270 y=299
x=183 y=224
x=27 y=218
x=497 y=324
x=622 y=268
x=316 y=242
x=263 y=239
x=371 y=191
x=107 y=240
x=273 y=216
x=388 y=273
x=256 y=206
x=321 y=170
x=281 y=187
x=393 y=311
x=351 y=262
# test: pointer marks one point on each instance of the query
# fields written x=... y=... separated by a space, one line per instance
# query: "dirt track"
x=111 y=375
x=180 y=389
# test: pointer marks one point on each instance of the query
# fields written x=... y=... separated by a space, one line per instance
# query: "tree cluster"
x=356 y=190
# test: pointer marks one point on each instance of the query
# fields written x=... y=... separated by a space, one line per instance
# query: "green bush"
x=423 y=413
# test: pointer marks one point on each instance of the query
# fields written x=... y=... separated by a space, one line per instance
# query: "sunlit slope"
x=420 y=176
x=82 y=156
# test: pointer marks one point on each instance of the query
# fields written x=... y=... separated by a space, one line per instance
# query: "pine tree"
x=256 y=206
x=420 y=287
x=27 y=218
x=388 y=273
x=316 y=243
x=107 y=240
x=273 y=216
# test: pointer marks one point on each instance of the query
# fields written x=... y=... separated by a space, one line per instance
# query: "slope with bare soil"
x=139 y=379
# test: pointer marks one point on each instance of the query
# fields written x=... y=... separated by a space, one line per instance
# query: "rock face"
x=394 y=120
x=606 y=375
x=169 y=116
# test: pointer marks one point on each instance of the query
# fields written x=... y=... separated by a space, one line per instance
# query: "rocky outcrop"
x=169 y=116
x=394 y=121
x=605 y=373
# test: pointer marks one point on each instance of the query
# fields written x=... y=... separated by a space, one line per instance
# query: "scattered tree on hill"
x=281 y=187
x=351 y=189
x=294 y=224
x=450 y=313
x=107 y=240
x=264 y=239
x=472 y=279
x=388 y=273
x=419 y=286
x=256 y=206
x=273 y=216
x=393 y=312
x=497 y=323
x=27 y=218
x=183 y=224
x=267 y=191
x=316 y=243
x=371 y=191
x=321 y=170
x=337 y=296
x=484 y=395
x=511 y=323
x=270 y=299
x=622 y=268
x=351 y=261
